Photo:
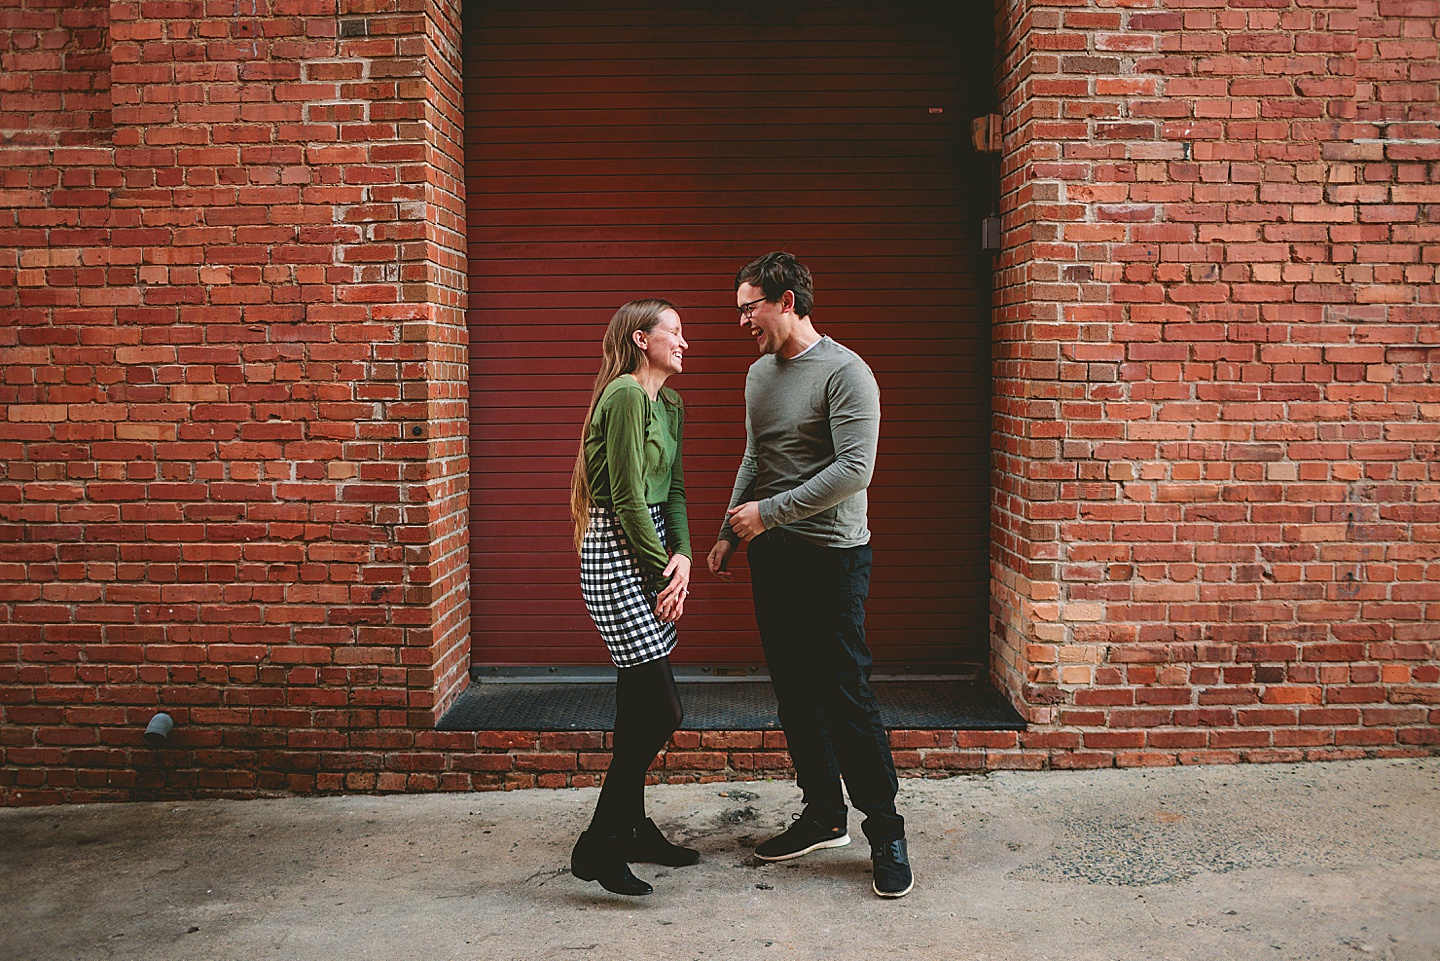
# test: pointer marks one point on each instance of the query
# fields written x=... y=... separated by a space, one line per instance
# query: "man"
x=812 y=421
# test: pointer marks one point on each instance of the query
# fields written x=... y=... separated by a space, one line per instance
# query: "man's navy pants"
x=810 y=605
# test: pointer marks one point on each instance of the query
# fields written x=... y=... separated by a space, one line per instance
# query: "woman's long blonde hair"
x=619 y=355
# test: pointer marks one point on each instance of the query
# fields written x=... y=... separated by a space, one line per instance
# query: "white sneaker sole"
x=839 y=842
x=894 y=894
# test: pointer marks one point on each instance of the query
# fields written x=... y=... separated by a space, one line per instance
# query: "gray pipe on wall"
x=157 y=732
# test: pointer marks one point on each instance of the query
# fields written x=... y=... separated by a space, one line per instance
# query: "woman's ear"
x=639 y=337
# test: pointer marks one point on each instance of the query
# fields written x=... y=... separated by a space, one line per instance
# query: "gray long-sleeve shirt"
x=812 y=424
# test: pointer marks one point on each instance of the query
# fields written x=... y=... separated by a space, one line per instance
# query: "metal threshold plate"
x=721 y=704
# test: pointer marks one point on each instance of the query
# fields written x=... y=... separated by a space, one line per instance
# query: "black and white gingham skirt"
x=615 y=593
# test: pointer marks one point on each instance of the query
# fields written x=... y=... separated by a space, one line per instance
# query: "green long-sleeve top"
x=632 y=456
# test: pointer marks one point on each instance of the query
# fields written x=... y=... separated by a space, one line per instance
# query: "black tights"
x=647 y=712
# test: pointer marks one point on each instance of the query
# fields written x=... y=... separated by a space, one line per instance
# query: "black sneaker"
x=802 y=837
x=891 y=861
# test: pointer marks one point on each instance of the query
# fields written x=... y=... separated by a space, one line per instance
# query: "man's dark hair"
x=776 y=273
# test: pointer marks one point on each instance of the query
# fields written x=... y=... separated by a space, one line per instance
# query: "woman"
x=628 y=502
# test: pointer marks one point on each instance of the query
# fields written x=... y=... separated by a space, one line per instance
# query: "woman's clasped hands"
x=670 y=605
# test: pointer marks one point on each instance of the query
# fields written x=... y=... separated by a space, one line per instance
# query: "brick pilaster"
x=236 y=410
x=1214 y=340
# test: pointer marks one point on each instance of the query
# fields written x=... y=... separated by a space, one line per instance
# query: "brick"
x=1081 y=759
x=1003 y=761
x=1212 y=345
x=732 y=740
x=545 y=762
x=695 y=761
x=954 y=760
x=921 y=739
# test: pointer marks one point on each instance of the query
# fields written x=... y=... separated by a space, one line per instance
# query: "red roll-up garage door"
x=623 y=150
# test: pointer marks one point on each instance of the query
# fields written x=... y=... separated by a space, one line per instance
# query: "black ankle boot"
x=646 y=843
x=600 y=858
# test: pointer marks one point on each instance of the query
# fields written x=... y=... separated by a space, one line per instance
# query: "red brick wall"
x=54 y=72
x=234 y=381
x=232 y=360
x=1216 y=351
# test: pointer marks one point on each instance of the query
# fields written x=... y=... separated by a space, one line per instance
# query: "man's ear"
x=787 y=301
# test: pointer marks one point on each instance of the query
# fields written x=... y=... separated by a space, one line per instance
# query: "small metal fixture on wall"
x=985 y=133
x=990 y=233
x=985 y=138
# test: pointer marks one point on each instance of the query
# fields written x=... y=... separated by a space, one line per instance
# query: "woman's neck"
x=650 y=379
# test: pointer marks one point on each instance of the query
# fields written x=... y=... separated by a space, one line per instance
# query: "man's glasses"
x=745 y=310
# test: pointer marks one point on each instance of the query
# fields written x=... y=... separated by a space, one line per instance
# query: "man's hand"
x=719 y=559
x=745 y=520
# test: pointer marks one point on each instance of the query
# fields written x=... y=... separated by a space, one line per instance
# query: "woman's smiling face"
x=664 y=345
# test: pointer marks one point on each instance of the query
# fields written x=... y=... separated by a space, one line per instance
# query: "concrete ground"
x=1324 y=861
